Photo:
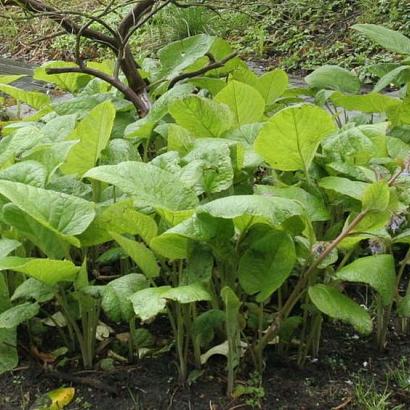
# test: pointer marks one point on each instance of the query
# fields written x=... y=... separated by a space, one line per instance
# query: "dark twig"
x=49 y=37
x=204 y=70
x=61 y=18
x=127 y=91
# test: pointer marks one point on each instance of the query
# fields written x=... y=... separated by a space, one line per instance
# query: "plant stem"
x=196 y=342
x=303 y=280
x=60 y=296
x=387 y=314
x=403 y=265
x=180 y=345
x=96 y=185
x=259 y=355
x=133 y=347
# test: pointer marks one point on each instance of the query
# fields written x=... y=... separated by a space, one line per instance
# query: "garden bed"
x=325 y=383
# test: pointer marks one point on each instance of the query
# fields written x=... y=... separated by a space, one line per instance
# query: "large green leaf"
x=115 y=300
x=188 y=294
x=404 y=237
x=120 y=218
x=246 y=210
x=202 y=117
x=376 y=197
x=213 y=85
x=18 y=314
x=403 y=308
x=70 y=82
x=338 y=306
x=398 y=149
x=272 y=85
x=178 y=56
x=246 y=103
x=332 y=77
x=52 y=244
x=399 y=114
x=32 y=98
x=33 y=289
x=267 y=263
x=205 y=324
x=378 y=271
x=140 y=254
x=200 y=264
x=26 y=172
x=7 y=246
x=93 y=133
x=7 y=79
x=370 y=103
x=147 y=303
x=314 y=206
x=213 y=159
x=160 y=107
x=290 y=139
x=389 y=39
x=356 y=144
x=400 y=74
x=52 y=156
x=119 y=150
x=80 y=105
x=344 y=186
x=150 y=185
x=179 y=139
x=64 y=215
x=19 y=142
x=48 y=271
x=245 y=75
x=59 y=128
x=174 y=243
x=144 y=127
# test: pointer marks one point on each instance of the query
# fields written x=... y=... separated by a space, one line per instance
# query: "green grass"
x=368 y=397
x=401 y=375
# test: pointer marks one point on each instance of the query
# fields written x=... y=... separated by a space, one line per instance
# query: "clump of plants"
x=232 y=211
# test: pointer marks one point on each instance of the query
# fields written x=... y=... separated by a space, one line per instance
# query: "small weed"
x=253 y=391
x=369 y=398
x=401 y=375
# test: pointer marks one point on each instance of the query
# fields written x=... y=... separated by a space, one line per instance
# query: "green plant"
x=176 y=24
x=253 y=391
x=400 y=375
x=234 y=211
x=369 y=398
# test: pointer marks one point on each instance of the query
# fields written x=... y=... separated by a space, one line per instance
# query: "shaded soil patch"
x=152 y=384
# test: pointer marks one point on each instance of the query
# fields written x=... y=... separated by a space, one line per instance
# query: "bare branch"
x=151 y=14
x=133 y=17
x=212 y=66
x=132 y=96
x=49 y=37
x=60 y=18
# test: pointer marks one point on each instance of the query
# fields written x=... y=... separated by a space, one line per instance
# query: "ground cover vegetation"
x=194 y=198
x=296 y=35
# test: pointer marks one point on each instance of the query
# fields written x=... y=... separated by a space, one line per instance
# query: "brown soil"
x=327 y=383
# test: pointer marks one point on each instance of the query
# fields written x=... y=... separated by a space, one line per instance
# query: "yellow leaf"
x=61 y=397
